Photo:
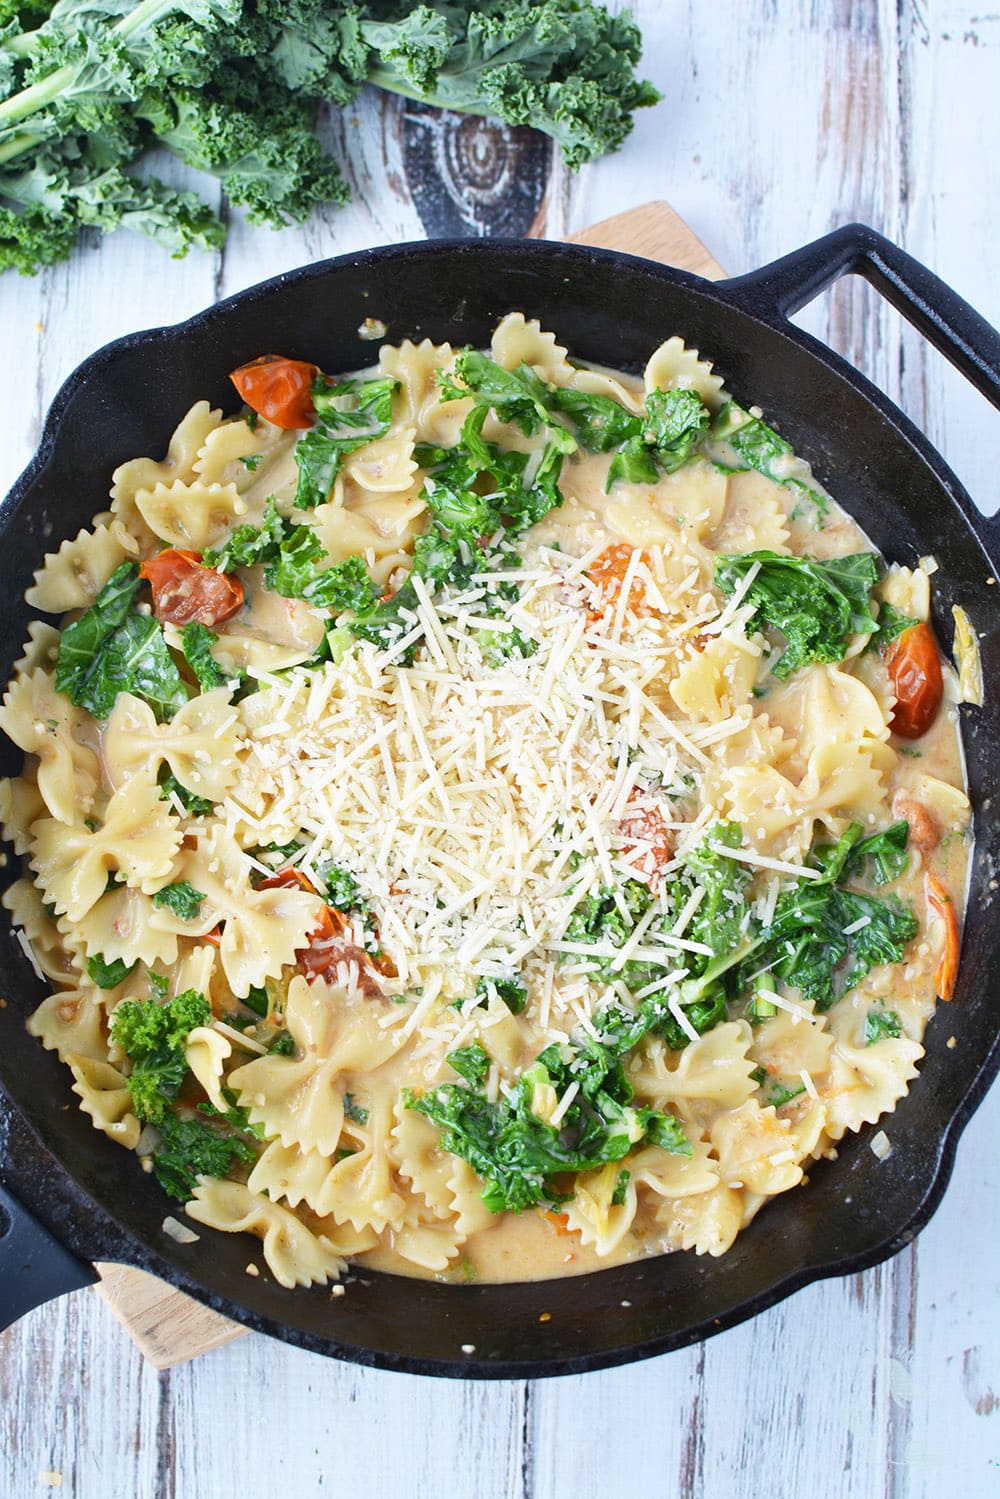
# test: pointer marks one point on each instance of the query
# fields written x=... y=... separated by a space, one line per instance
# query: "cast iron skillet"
x=89 y=1201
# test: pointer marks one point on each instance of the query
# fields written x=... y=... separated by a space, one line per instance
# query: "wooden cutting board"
x=166 y=1326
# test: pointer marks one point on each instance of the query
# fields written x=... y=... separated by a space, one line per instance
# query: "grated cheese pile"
x=479 y=804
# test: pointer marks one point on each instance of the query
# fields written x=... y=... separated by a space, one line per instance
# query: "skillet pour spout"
x=65 y=1181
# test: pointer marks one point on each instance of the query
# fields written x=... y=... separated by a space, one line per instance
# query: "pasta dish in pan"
x=487 y=817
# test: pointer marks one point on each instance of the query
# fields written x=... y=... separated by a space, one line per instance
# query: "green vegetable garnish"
x=181 y=898
x=816 y=605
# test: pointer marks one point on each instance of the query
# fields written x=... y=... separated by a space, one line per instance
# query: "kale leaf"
x=190 y=1149
x=170 y=786
x=112 y=648
x=196 y=642
x=757 y=446
x=816 y=605
x=153 y=1035
x=349 y=415
x=517 y=1151
x=108 y=975
x=881 y=1025
x=181 y=898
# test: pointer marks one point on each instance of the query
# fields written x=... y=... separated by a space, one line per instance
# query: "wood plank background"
x=781 y=121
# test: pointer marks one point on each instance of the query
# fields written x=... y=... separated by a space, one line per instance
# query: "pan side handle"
x=34 y=1267
x=940 y=314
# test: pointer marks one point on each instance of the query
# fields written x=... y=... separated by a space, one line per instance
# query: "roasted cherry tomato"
x=914 y=668
x=186 y=593
x=280 y=390
x=607 y=573
x=645 y=825
x=330 y=944
x=288 y=878
x=943 y=906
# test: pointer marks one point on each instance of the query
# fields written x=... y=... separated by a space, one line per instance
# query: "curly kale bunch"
x=233 y=87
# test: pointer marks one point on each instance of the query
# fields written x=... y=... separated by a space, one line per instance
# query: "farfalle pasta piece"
x=221 y=456
x=424 y=1240
x=595 y=382
x=385 y=466
x=119 y=925
x=40 y=650
x=418 y=1159
x=673 y=366
x=754 y=518
x=104 y=1096
x=72 y=1023
x=603 y=1208
x=72 y=577
x=43 y=722
x=517 y=341
x=714 y=1069
x=866 y=1082
x=416 y=402
x=295 y=1255
x=361 y=1188
x=715 y=681
x=663 y=1174
x=297 y=1100
x=260 y=929
x=300 y=1100
x=291 y=1174
x=200 y=743
x=191 y=515
x=756 y=1147
x=206 y=1051
x=788 y=1045
x=21 y=806
x=707 y=1223
x=347 y=533
x=188 y=439
x=54 y=952
x=137 y=841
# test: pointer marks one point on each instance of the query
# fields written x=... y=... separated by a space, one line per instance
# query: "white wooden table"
x=781 y=121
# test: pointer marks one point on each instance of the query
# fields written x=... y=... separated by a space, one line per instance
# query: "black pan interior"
x=608 y=308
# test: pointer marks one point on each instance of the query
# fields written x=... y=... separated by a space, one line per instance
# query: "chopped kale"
x=354 y=1110
x=181 y=898
x=257 y=1000
x=349 y=415
x=757 y=446
x=513 y=993
x=283 y=1045
x=620 y=1193
x=170 y=786
x=153 y=1035
x=196 y=643
x=882 y=1025
x=676 y=422
x=471 y=1062
x=518 y=1152
x=816 y=605
x=108 y=975
x=190 y=1149
x=891 y=623
x=112 y=648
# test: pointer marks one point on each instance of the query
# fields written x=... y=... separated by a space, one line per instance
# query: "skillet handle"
x=940 y=314
x=34 y=1267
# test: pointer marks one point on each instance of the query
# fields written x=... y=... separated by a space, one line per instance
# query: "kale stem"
x=16 y=146
x=23 y=45
x=37 y=95
x=385 y=78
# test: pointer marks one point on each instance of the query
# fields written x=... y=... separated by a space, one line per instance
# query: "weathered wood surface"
x=781 y=122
